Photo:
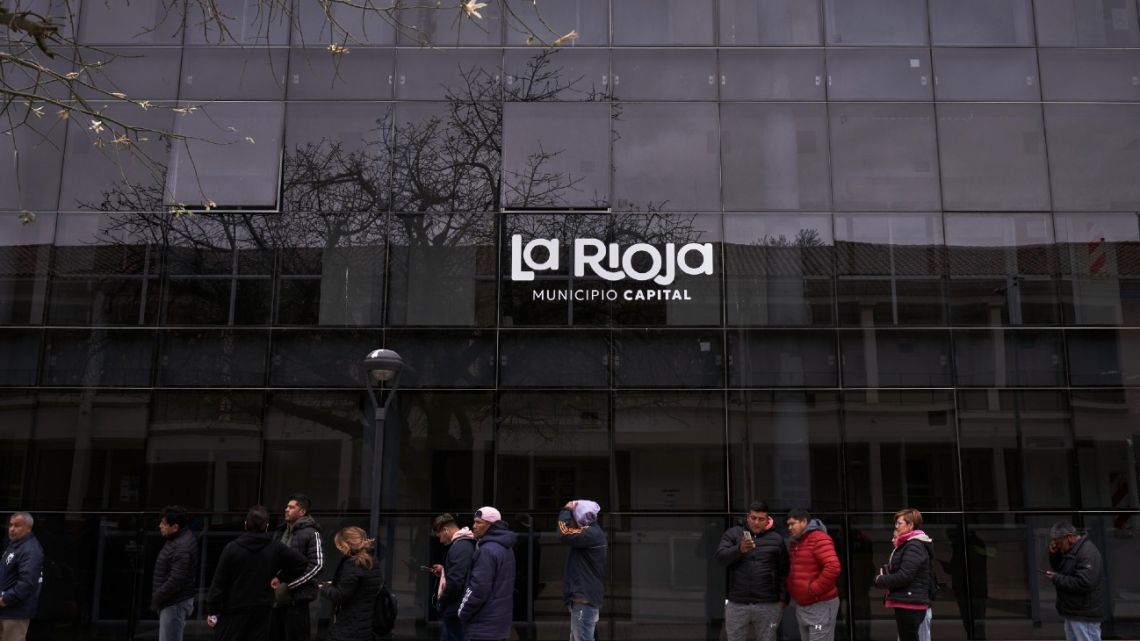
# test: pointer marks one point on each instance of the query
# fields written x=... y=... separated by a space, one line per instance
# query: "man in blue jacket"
x=585 y=565
x=488 y=602
x=452 y=573
x=21 y=575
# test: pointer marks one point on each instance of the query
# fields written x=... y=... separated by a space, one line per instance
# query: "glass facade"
x=848 y=255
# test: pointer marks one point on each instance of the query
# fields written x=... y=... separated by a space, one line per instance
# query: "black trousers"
x=908 y=622
x=252 y=625
x=291 y=622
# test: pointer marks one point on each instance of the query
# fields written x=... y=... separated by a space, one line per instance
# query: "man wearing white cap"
x=488 y=602
x=585 y=565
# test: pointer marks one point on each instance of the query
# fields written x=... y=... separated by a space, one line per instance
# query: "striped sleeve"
x=315 y=565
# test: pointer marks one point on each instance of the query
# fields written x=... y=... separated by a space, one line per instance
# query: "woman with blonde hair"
x=354 y=587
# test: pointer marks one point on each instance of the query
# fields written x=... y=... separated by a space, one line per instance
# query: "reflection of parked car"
x=58 y=613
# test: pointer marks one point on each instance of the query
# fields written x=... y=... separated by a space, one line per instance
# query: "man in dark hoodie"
x=812 y=577
x=175 y=574
x=488 y=602
x=460 y=544
x=585 y=565
x=1077 y=573
x=240 y=599
x=21 y=577
x=757 y=563
x=291 y=620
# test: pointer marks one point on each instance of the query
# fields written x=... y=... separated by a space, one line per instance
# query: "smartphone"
x=1044 y=571
x=747 y=535
x=424 y=568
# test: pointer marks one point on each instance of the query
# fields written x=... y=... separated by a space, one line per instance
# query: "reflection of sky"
x=667 y=153
x=747 y=229
x=997 y=230
x=903 y=229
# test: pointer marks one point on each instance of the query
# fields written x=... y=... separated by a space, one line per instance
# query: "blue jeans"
x=583 y=619
x=1082 y=630
x=452 y=629
x=172 y=620
x=924 y=628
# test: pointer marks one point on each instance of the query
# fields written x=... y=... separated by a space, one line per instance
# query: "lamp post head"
x=382 y=364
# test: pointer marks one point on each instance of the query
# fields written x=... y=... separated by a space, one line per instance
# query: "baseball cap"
x=488 y=514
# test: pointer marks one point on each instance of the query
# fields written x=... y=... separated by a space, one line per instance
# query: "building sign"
x=639 y=263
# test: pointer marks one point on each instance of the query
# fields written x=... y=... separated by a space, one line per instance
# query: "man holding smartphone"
x=452 y=573
x=757 y=562
x=1077 y=574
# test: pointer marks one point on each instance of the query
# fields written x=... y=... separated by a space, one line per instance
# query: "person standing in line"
x=757 y=563
x=1077 y=573
x=585 y=565
x=906 y=575
x=240 y=601
x=175 y=574
x=354 y=586
x=487 y=607
x=813 y=576
x=453 y=573
x=291 y=621
x=21 y=577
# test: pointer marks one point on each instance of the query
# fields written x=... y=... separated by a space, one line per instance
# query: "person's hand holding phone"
x=746 y=542
x=436 y=569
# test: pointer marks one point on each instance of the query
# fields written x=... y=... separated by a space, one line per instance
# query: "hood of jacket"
x=254 y=541
x=499 y=533
x=814 y=525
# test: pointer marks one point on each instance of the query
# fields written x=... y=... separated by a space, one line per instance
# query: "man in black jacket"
x=291 y=611
x=1077 y=575
x=585 y=565
x=240 y=599
x=757 y=562
x=460 y=544
x=175 y=574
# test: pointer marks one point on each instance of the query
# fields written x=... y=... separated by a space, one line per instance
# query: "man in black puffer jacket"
x=291 y=620
x=452 y=573
x=1077 y=574
x=175 y=574
x=585 y=565
x=757 y=562
x=488 y=602
x=240 y=599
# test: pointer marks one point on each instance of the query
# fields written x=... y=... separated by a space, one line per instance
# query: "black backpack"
x=384 y=612
x=935 y=584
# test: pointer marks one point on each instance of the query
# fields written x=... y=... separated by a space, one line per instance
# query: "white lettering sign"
x=611 y=262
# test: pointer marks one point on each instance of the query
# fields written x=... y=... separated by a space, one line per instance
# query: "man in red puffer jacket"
x=812 y=578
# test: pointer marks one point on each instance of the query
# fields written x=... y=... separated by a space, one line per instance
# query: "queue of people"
x=265 y=582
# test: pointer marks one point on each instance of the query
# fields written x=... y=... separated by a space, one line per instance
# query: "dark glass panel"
x=1017 y=446
x=769 y=22
x=1001 y=269
x=1075 y=75
x=441 y=74
x=1091 y=23
x=364 y=74
x=767 y=358
x=198 y=301
x=1105 y=427
x=778 y=269
x=204 y=450
x=139 y=22
x=665 y=157
x=669 y=450
x=87 y=451
x=785 y=448
x=554 y=359
x=671 y=358
x=986 y=74
x=895 y=358
x=775 y=156
x=443 y=449
x=98 y=358
x=141 y=73
x=771 y=74
x=445 y=358
x=354 y=25
x=25 y=255
x=879 y=74
x=556 y=74
x=981 y=22
x=212 y=358
x=17 y=410
x=992 y=157
x=664 y=74
x=563 y=166
x=19 y=356
x=29 y=180
x=443 y=270
x=236 y=22
x=884 y=157
x=1099 y=262
x=1093 y=156
x=532 y=23
x=900 y=450
x=663 y=22
x=1103 y=357
x=551 y=447
x=875 y=22
x=432 y=25
x=1009 y=358
x=321 y=358
x=218 y=73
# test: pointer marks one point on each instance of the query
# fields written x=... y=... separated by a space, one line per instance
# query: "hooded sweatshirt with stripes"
x=305 y=538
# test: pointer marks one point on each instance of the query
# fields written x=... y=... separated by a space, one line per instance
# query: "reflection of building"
x=924 y=223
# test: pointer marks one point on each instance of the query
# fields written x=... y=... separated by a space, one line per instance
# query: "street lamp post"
x=380 y=366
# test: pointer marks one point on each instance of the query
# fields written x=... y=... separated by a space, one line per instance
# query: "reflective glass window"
x=900 y=450
x=769 y=22
x=29 y=180
x=443 y=268
x=1010 y=358
x=1018 y=448
x=533 y=23
x=444 y=358
x=526 y=358
x=879 y=74
x=663 y=22
x=17 y=409
x=775 y=156
x=1080 y=75
x=884 y=157
x=672 y=358
x=767 y=358
x=142 y=73
x=669 y=449
x=649 y=74
x=354 y=25
x=25 y=255
x=981 y=22
x=236 y=22
x=1103 y=357
x=98 y=358
x=771 y=74
x=779 y=269
x=212 y=358
x=320 y=358
x=20 y=349
x=875 y=22
x=1100 y=268
x=220 y=73
x=556 y=74
x=448 y=157
x=895 y=358
x=1092 y=23
x=1105 y=426
x=666 y=157
x=986 y=74
x=563 y=166
x=442 y=74
x=365 y=74
x=431 y=25
x=143 y=22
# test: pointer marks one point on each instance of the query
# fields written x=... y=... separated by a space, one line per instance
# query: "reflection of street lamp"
x=380 y=366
